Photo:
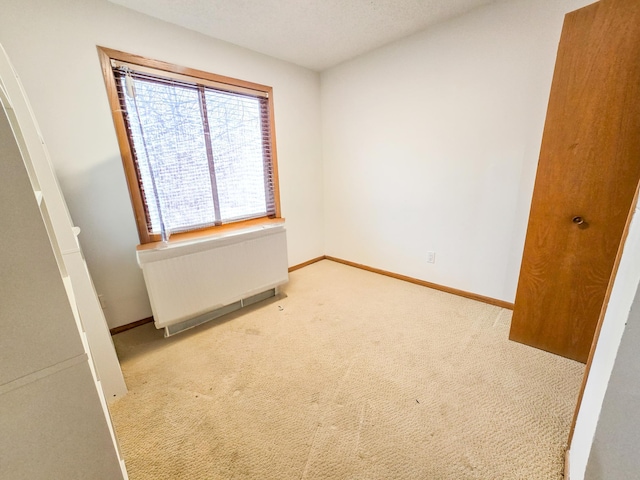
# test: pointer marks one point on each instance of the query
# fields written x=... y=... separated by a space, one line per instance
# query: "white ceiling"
x=316 y=34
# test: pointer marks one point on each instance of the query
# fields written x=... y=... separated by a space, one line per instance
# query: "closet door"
x=586 y=180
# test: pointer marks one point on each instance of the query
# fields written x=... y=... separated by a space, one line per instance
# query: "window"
x=198 y=149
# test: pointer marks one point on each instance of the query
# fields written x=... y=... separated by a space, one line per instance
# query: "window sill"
x=215 y=233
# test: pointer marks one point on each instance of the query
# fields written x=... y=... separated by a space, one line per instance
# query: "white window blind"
x=202 y=154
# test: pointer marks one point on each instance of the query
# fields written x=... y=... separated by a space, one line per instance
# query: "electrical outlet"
x=431 y=257
x=102 y=302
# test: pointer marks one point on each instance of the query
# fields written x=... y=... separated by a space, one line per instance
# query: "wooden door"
x=586 y=181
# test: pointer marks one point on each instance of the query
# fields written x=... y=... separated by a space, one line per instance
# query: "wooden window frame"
x=106 y=55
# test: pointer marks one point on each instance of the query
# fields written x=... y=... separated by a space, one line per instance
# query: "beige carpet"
x=352 y=376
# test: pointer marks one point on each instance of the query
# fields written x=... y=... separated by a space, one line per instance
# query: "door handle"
x=578 y=220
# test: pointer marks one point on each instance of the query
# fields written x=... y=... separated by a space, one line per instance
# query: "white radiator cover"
x=189 y=279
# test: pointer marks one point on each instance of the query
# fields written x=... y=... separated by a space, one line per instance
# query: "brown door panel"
x=587 y=176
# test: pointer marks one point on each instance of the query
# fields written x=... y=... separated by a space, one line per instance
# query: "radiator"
x=192 y=282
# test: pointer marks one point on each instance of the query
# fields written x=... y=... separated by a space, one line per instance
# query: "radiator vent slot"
x=219 y=312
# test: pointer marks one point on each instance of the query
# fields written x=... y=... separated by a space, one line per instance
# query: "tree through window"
x=200 y=146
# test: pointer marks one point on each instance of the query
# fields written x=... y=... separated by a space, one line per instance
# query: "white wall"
x=613 y=326
x=432 y=142
x=52 y=44
x=614 y=450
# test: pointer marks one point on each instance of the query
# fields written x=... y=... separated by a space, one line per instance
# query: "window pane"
x=171 y=133
x=236 y=141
